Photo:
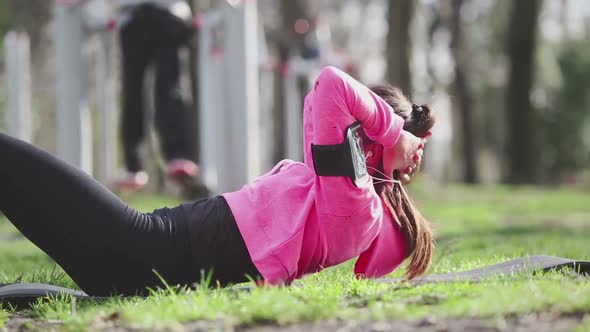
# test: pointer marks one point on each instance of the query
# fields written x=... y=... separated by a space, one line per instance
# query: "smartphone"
x=344 y=159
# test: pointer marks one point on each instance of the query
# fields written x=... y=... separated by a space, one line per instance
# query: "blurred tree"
x=399 y=43
x=297 y=23
x=5 y=17
x=521 y=119
x=32 y=17
x=486 y=33
x=561 y=95
x=463 y=94
x=28 y=15
x=436 y=24
x=566 y=121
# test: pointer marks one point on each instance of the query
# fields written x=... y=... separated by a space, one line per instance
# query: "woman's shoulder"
x=289 y=169
x=288 y=163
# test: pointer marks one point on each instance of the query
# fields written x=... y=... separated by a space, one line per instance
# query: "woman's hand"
x=404 y=156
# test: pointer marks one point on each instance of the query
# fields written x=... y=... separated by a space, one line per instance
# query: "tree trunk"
x=399 y=18
x=286 y=40
x=463 y=96
x=31 y=16
x=521 y=118
x=437 y=22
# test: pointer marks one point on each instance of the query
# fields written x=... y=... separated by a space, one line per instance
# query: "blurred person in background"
x=152 y=33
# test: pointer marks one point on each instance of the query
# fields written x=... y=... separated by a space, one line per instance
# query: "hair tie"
x=416 y=108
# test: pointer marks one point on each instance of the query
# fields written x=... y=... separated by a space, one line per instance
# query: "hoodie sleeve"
x=385 y=254
x=337 y=101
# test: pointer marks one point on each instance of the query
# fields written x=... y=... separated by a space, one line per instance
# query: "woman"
x=287 y=223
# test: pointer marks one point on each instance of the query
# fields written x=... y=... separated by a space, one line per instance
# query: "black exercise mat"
x=21 y=294
x=524 y=264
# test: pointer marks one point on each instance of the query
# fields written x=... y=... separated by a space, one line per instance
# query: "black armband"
x=344 y=159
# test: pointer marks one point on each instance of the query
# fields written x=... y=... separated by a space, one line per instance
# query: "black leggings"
x=154 y=36
x=107 y=246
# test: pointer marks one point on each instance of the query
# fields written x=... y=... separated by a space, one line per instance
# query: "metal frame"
x=17 y=55
x=229 y=97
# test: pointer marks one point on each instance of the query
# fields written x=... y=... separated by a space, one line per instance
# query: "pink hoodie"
x=294 y=222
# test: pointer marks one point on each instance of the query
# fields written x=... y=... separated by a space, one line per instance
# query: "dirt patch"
x=20 y=323
x=530 y=322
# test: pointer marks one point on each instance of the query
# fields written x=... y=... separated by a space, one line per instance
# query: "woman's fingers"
x=417 y=159
x=406 y=153
x=405 y=179
x=423 y=142
x=412 y=150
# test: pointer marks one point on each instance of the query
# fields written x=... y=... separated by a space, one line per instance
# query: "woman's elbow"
x=329 y=76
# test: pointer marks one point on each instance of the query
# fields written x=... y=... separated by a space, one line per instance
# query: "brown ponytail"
x=415 y=228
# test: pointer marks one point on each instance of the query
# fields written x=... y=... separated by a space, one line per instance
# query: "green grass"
x=476 y=226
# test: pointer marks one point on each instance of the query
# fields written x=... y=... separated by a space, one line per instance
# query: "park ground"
x=475 y=226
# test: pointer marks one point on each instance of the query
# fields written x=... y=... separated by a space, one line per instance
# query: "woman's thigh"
x=101 y=242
